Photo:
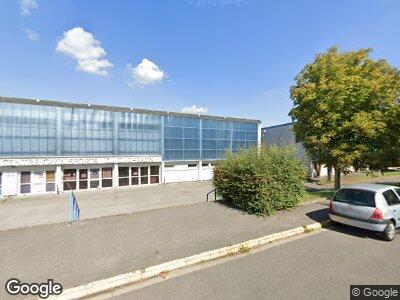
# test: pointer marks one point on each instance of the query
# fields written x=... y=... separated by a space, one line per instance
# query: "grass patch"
x=391 y=173
x=316 y=194
x=244 y=249
x=360 y=177
x=306 y=229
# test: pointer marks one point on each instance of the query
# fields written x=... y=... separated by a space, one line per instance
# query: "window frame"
x=395 y=195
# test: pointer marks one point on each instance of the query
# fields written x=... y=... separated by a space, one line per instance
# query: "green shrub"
x=261 y=181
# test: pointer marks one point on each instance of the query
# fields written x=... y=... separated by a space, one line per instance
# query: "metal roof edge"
x=117 y=108
x=279 y=125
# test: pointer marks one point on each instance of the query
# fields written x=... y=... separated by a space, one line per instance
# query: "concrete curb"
x=107 y=284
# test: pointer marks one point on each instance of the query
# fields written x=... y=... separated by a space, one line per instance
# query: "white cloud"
x=81 y=45
x=194 y=110
x=27 y=6
x=146 y=72
x=32 y=35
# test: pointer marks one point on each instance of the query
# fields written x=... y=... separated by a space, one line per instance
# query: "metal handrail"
x=215 y=194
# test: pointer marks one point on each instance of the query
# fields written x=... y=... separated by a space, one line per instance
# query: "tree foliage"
x=261 y=181
x=346 y=110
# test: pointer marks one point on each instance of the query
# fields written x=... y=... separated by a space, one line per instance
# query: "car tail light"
x=377 y=214
x=331 y=210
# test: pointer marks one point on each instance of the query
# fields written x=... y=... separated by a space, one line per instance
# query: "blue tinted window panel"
x=173 y=132
x=251 y=135
x=191 y=155
x=222 y=134
x=239 y=135
x=209 y=154
x=223 y=144
x=191 y=144
x=191 y=133
x=209 y=144
x=173 y=144
x=209 y=133
x=173 y=154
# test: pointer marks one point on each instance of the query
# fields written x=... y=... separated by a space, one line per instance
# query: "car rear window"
x=356 y=197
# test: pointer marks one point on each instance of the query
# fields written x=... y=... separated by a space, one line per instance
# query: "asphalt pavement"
x=100 y=248
x=318 y=266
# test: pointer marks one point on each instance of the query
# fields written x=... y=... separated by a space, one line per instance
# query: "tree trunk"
x=329 y=174
x=337 y=178
x=317 y=169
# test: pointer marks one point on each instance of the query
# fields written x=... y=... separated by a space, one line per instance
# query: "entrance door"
x=144 y=175
x=83 y=179
x=69 y=179
x=38 y=182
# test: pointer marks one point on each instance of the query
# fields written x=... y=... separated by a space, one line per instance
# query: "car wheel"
x=390 y=232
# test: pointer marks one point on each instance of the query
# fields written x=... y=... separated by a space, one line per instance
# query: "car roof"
x=374 y=187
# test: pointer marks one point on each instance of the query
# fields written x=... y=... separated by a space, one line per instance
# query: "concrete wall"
x=187 y=171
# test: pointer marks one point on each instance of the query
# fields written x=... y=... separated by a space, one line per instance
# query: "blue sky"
x=232 y=57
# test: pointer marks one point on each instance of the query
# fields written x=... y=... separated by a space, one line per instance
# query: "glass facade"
x=86 y=132
x=139 y=133
x=44 y=130
x=244 y=135
x=181 y=138
x=216 y=138
x=27 y=130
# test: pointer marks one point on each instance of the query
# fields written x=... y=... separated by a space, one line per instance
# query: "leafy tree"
x=346 y=110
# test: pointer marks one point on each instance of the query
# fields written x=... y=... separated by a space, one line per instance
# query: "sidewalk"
x=100 y=248
x=26 y=211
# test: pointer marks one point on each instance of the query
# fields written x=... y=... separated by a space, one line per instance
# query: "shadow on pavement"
x=319 y=215
x=322 y=215
x=355 y=231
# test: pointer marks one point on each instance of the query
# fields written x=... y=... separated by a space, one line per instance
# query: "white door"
x=38 y=182
x=10 y=183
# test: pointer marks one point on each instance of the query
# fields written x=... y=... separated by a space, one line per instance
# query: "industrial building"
x=52 y=146
x=283 y=135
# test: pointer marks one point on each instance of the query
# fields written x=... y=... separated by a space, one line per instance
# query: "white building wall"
x=10 y=183
x=180 y=172
x=11 y=169
x=169 y=172
x=206 y=172
x=59 y=179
